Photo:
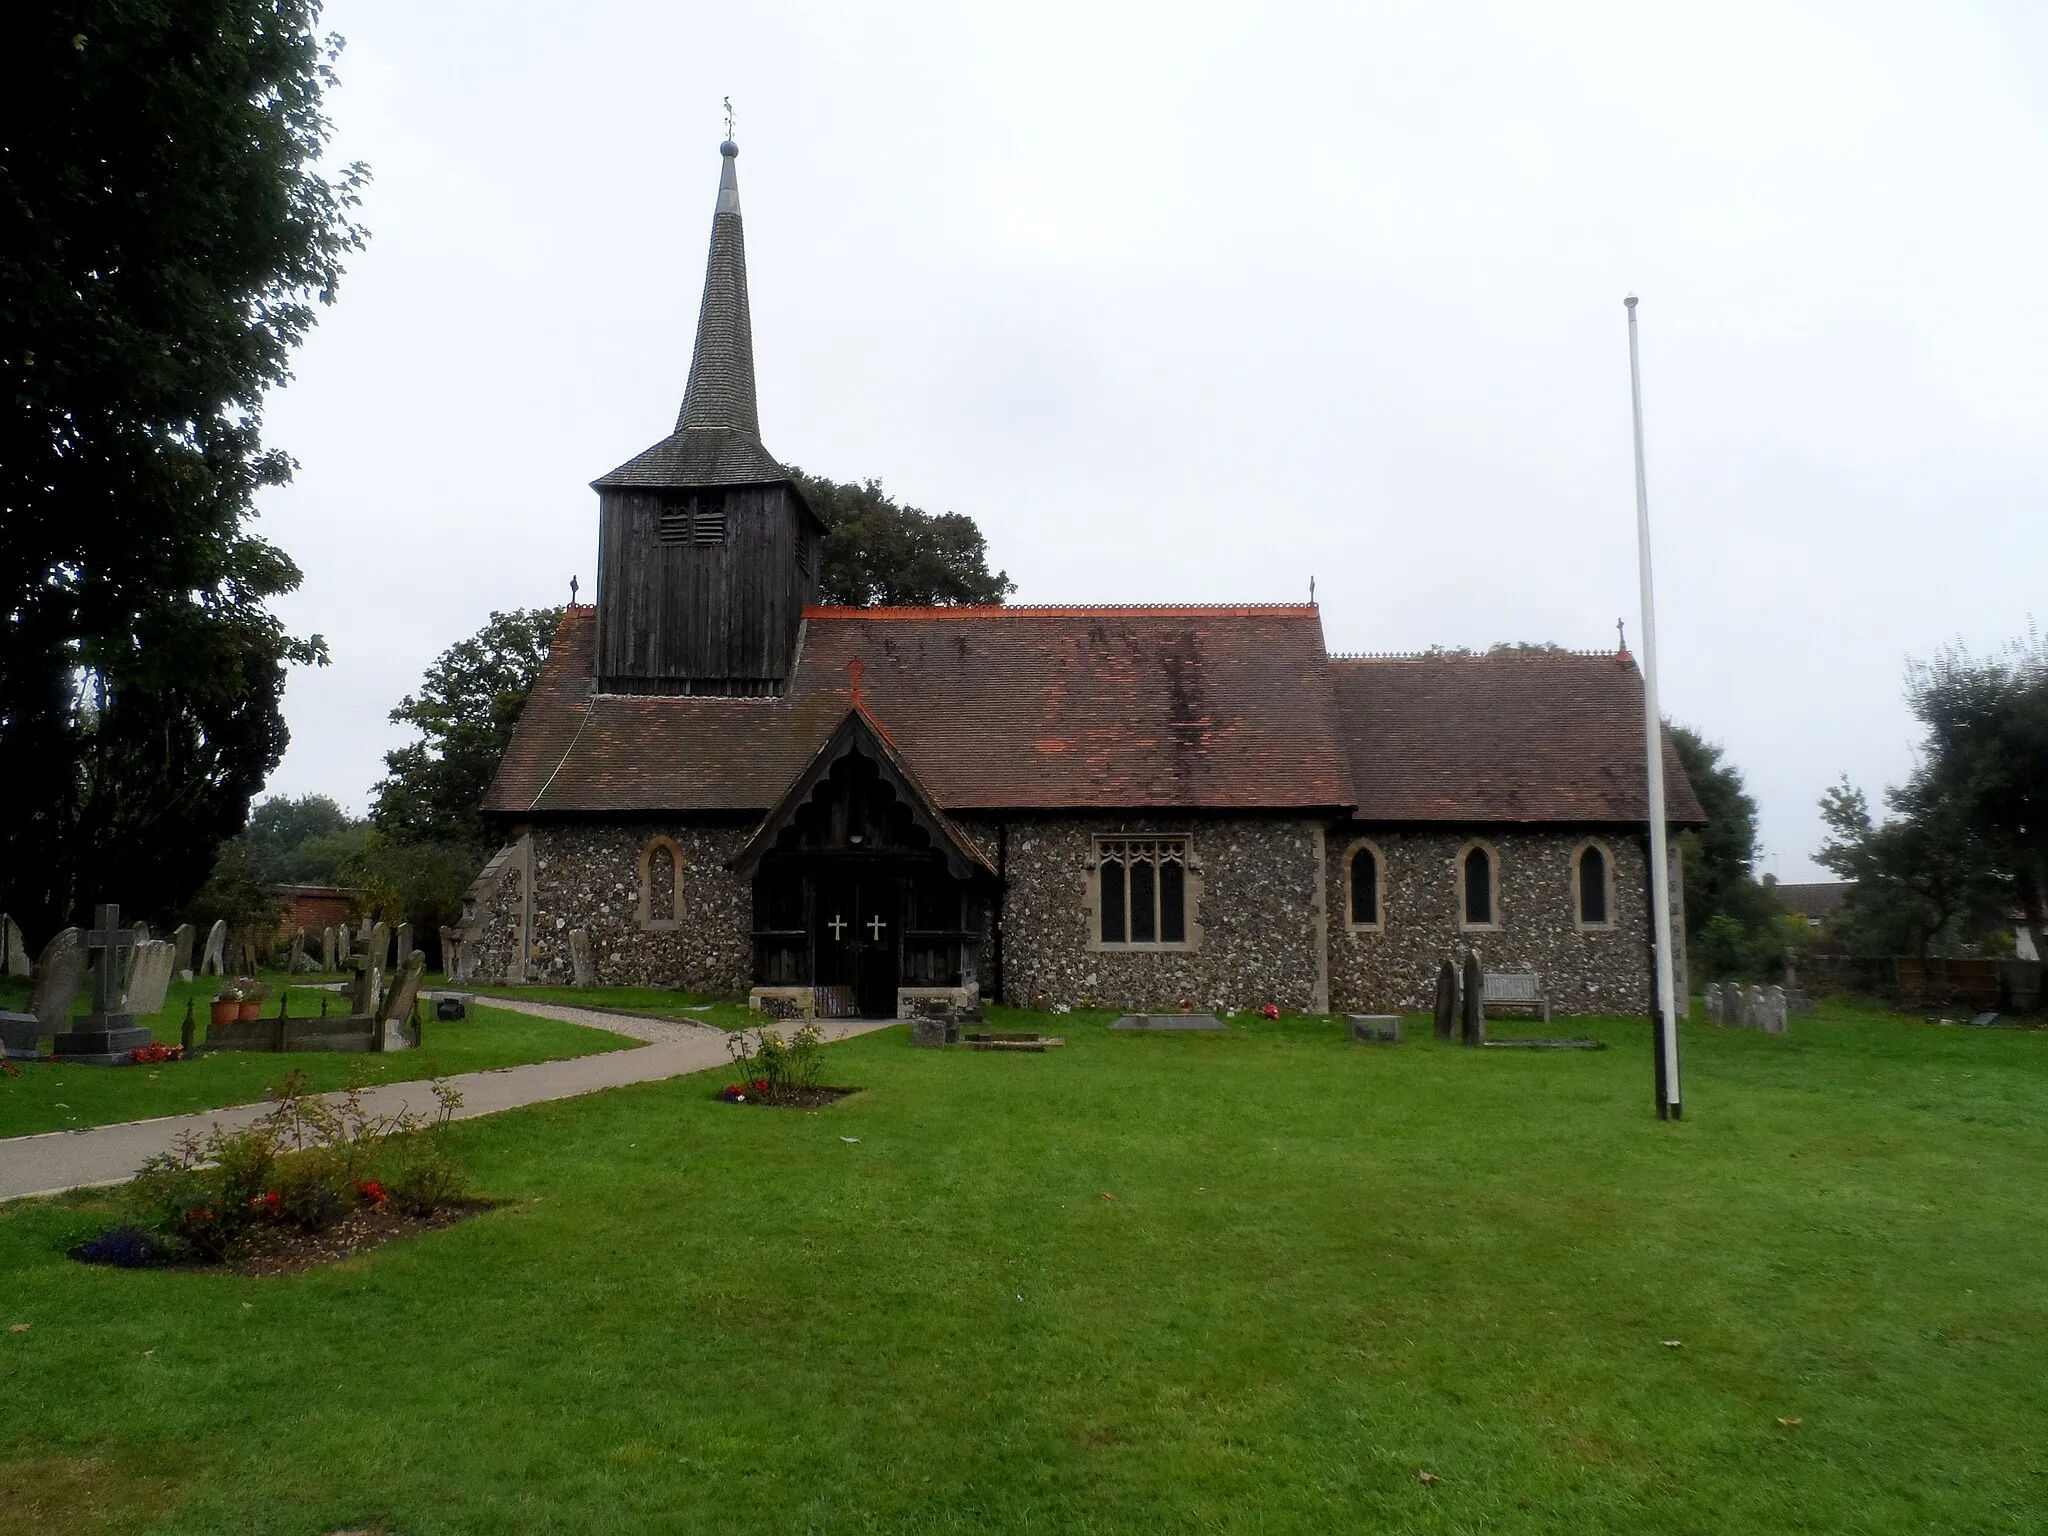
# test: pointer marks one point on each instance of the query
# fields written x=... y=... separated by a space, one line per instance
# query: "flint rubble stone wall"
x=587 y=875
x=1582 y=970
x=1255 y=910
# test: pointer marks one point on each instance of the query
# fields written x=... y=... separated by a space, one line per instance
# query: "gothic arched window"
x=1365 y=875
x=1592 y=881
x=1478 y=887
x=661 y=885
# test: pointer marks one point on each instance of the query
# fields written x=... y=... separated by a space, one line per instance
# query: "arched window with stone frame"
x=1478 y=872
x=661 y=885
x=1593 y=885
x=1365 y=886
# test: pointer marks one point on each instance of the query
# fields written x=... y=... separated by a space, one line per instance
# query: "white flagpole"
x=1665 y=1022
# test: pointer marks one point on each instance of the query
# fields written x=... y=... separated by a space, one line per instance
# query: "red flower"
x=1270 y=1011
x=760 y=1085
x=371 y=1191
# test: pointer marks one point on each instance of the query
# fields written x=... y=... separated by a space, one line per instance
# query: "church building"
x=719 y=783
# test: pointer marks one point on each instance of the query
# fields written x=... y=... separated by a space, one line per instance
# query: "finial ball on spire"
x=729 y=149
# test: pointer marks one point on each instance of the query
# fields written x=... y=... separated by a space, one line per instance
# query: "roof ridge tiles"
x=1452 y=656
x=1065 y=610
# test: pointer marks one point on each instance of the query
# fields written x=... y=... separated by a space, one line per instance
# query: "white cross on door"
x=875 y=927
x=838 y=926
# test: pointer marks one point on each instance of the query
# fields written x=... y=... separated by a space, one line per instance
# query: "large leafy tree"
x=165 y=238
x=1921 y=877
x=878 y=551
x=465 y=710
x=1729 y=917
x=1984 y=764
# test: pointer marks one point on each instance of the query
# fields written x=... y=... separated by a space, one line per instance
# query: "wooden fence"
x=1982 y=986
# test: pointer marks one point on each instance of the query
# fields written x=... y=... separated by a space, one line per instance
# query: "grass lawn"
x=1325 y=1270
x=662 y=1002
x=50 y=1097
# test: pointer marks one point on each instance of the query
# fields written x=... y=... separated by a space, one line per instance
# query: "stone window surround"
x=648 y=922
x=1091 y=894
x=1379 y=859
x=1458 y=884
x=1607 y=865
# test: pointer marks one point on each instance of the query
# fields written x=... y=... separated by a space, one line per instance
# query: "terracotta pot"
x=252 y=1008
x=226 y=1010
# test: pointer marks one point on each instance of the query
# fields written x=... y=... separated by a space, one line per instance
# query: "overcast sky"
x=1194 y=303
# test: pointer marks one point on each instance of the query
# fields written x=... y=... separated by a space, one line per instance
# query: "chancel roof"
x=1518 y=737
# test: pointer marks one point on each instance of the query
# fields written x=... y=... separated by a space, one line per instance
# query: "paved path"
x=110 y=1154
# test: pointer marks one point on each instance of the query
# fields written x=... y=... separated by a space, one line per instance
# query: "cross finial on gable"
x=856 y=669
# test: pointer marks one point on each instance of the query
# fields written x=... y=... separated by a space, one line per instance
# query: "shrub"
x=304 y=1165
x=124 y=1247
x=777 y=1069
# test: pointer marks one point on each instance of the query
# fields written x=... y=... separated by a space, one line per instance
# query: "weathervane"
x=728 y=119
x=572 y=591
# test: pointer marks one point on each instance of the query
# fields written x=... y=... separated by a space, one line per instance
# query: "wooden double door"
x=857 y=929
x=857 y=940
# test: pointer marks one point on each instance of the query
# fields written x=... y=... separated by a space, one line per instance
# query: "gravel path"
x=56 y=1161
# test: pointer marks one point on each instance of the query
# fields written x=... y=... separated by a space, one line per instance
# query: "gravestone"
x=933 y=1030
x=58 y=974
x=377 y=945
x=394 y=1017
x=1446 y=1000
x=1474 y=1031
x=214 y=961
x=1710 y=1000
x=343 y=947
x=404 y=944
x=10 y=938
x=1375 y=1028
x=579 y=958
x=327 y=948
x=296 y=953
x=108 y=1033
x=1776 y=1006
x=181 y=941
x=149 y=977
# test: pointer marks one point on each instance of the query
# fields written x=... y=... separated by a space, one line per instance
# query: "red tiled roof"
x=1532 y=737
x=1018 y=708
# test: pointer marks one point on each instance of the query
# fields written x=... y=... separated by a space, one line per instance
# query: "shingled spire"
x=721 y=389
x=717 y=440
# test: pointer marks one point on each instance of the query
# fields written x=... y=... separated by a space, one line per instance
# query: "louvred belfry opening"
x=706 y=549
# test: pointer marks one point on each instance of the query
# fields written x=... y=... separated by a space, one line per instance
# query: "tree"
x=1984 y=769
x=465 y=710
x=165 y=237
x=1727 y=913
x=1920 y=879
x=877 y=552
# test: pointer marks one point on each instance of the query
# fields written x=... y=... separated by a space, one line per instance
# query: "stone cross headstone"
x=149 y=978
x=214 y=961
x=1446 y=1000
x=109 y=1032
x=579 y=957
x=327 y=948
x=181 y=942
x=16 y=957
x=1474 y=1032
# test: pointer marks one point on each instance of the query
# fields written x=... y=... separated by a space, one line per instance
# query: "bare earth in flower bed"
x=802 y=1098
x=291 y=1251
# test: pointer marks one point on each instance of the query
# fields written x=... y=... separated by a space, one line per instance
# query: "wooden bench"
x=1515 y=989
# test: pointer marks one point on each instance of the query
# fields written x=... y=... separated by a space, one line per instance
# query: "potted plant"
x=252 y=992
x=227 y=1004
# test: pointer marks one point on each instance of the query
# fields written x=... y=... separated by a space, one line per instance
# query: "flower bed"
x=311 y=1181
x=779 y=1072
